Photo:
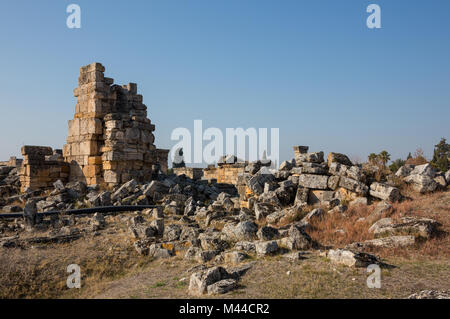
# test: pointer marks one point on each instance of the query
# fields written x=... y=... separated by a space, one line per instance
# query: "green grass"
x=159 y=284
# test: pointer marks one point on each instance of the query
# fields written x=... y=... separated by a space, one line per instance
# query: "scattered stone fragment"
x=263 y=209
x=199 y=281
x=339 y=158
x=247 y=246
x=431 y=294
x=352 y=259
x=295 y=256
x=313 y=181
x=392 y=241
x=264 y=248
x=267 y=233
x=98 y=221
x=234 y=257
x=297 y=239
x=222 y=286
x=384 y=192
x=245 y=230
x=423 y=227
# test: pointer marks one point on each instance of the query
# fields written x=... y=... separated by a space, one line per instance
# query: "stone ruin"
x=41 y=167
x=227 y=171
x=110 y=139
x=12 y=162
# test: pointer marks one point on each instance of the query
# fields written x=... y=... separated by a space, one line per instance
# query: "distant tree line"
x=440 y=161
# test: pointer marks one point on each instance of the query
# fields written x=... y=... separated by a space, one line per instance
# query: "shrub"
x=441 y=156
x=418 y=158
x=396 y=165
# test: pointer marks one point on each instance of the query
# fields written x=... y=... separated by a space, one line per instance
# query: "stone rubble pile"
x=309 y=180
x=9 y=188
x=269 y=212
x=423 y=178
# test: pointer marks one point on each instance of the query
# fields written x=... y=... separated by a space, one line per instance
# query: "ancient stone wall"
x=13 y=162
x=41 y=167
x=225 y=173
x=110 y=138
x=191 y=172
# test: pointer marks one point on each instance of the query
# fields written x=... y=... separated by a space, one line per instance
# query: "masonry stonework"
x=41 y=167
x=225 y=173
x=110 y=138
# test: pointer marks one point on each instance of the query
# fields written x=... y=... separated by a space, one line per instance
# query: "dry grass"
x=325 y=229
x=111 y=268
x=315 y=277
x=435 y=206
x=39 y=271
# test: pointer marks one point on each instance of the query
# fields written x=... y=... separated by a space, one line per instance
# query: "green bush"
x=396 y=165
x=441 y=156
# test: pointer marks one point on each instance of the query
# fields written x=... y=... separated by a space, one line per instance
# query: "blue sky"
x=311 y=68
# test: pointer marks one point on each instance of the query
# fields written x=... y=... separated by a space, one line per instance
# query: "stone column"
x=85 y=137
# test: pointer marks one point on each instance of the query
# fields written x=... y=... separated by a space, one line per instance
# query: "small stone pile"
x=309 y=180
x=423 y=178
x=9 y=187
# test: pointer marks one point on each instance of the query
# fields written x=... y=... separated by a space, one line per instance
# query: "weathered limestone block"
x=404 y=171
x=313 y=181
x=351 y=259
x=339 y=158
x=313 y=168
x=353 y=185
x=36 y=150
x=384 y=192
x=425 y=169
x=300 y=150
x=423 y=227
x=421 y=183
x=392 y=241
x=264 y=248
x=347 y=195
x=314 y=157
x=302 y=196
x=321 y=197
x=353 y=172
x=333 y=182
x=200 y=281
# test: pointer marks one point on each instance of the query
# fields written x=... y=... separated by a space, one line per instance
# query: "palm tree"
x=372 y=158
x=384 y=157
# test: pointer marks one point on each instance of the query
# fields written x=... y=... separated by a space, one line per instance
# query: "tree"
x=372 y=158
x=384 y=157
x=441 y=156
x=396 y=165
x=409 y=156
x=418 y=158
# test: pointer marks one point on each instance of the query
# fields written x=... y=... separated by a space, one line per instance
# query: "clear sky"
x=311 y=68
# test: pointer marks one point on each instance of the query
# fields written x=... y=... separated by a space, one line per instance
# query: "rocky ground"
x=200 y=242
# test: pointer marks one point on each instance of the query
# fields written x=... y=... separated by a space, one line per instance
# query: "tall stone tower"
x=110 y=138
